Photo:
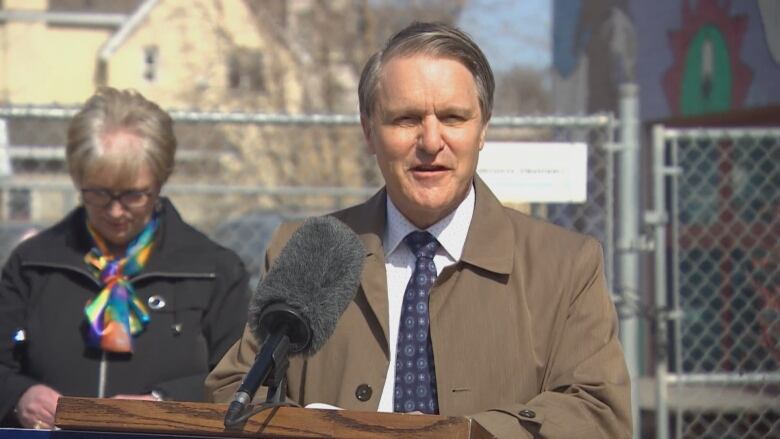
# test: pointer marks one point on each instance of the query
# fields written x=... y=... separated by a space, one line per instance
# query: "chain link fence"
x=717 y=200
x=718 y=276
x=238 y=175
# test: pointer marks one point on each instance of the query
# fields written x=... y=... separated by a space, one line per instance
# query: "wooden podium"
x=206 y=420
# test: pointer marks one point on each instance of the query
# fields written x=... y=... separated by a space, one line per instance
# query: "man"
x=505 y=319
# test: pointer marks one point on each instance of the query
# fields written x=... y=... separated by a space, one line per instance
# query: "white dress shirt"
x=451 y=233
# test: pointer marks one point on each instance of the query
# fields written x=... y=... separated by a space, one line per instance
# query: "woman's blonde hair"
x=115 y=133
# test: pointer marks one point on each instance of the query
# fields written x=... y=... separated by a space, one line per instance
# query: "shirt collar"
x=450 y=231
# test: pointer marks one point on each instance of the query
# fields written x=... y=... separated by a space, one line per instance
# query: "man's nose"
x=431 y=140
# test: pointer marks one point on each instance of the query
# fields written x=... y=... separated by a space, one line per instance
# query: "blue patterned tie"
x=415 y=375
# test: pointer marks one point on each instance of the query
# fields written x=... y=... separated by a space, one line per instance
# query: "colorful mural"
x=770 y=17
x=689 y=57
x=708 y=75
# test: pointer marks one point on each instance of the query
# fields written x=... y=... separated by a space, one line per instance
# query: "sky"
x=511 y=32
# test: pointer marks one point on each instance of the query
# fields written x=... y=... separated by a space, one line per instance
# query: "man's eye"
x=405 y=120
x=452 y=118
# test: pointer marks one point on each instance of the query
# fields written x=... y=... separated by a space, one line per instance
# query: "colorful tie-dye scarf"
x=116 y=314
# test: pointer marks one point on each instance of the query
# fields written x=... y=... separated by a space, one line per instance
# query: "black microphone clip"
x=288 y=333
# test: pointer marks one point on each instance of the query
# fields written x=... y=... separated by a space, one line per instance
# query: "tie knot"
x=422 y=244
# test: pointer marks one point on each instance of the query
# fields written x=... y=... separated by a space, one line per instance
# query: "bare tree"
x=386 y=17
x=324 y=44
x=521 y=91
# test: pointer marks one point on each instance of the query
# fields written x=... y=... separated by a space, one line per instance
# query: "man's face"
x=426 y=133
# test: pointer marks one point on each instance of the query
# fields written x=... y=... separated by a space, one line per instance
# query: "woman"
x=121 y=298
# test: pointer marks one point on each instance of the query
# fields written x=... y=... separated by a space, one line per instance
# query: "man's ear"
x=365 y=123
x=482 y=137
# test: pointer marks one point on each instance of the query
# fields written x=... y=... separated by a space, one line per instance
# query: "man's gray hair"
x=437 y=40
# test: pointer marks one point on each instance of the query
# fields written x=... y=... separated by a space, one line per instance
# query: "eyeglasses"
x=128 y=199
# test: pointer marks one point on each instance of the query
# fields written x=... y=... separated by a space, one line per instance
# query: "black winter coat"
x=46 y=283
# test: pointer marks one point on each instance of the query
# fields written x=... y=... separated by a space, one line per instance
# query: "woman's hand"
x=36 y=407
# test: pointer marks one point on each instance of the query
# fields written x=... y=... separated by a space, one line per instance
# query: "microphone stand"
x=273 y=360
x=277 y=381
x=288 y=333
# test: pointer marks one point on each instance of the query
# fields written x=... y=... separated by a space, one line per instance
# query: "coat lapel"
x=491 y=237
x=489 y=246
x=368 y=221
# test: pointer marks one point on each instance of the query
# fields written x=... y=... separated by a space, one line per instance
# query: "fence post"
x=5 y=167
x=660 y=334
x=628 y=239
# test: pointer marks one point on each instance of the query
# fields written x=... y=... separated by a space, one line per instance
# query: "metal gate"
x=717 y=282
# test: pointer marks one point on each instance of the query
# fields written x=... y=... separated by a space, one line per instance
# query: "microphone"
x=299 y=301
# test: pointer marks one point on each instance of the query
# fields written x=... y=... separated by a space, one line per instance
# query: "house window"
x=19 y=204
x=245 y=70
x=151 y=61
x=94 y=6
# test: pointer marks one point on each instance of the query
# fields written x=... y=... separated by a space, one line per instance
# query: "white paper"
x=535 y=172
x=322 y=406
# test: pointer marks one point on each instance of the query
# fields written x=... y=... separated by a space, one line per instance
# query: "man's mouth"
x=428 y=168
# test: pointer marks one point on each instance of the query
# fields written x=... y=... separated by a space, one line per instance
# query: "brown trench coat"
x=523 y=330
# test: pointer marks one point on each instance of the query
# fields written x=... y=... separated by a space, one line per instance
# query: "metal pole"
x=673 y=171
x=659 y=221
x=5 y=167
x=628 y=259
x=5 y=155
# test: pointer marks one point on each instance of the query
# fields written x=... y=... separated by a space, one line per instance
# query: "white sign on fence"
x=535 y=172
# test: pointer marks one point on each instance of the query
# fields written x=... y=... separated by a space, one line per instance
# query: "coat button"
x=363 y=392
x=530 y=414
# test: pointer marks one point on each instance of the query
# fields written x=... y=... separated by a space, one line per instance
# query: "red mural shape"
x=712 y=15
